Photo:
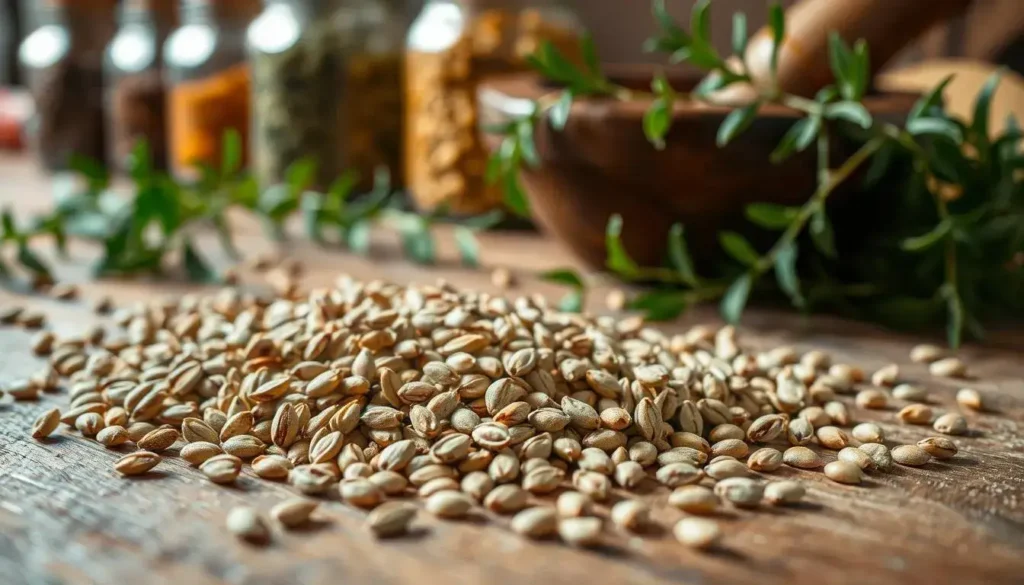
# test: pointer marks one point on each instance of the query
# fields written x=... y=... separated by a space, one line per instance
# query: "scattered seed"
x=868 y=433
x=694 y=499
x=766 y=459
x=879 y=454
x=222 y=469
x=742 y=492
x=391 y=519
x=857 y=457
x=245 y=523
x=801 y=458
x=872 y=399
x=844 y=472
x=582 y=532
x=112 y=436
x=784 y=493
x=951 y=423
x=969 y=398
x=502 y=278
x=910 y=393
x=938 y=447
x=697 y=533
x=47 y=422
x=506 y=499
x=832 y=438
x=294 y=512
x=886 y=376
x=911 y=455
x=948 y=368
x=916 y=414
x=136 y=463
x=926 y=353
x=539 y=522
x=197 y=453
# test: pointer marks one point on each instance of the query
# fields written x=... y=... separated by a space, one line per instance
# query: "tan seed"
x=539 y=522
x=112 y=436
x=573 y=504
x=916 y=414
x=581 y=532
x=158 y=440
x=911 y=455
x=391 y=519
x=879 y=454
x=766 y=459
x=360 y=492
x=694 y=499
x=449 y=504
x=868 y=433
x=950 y=367
x=136 y=463
x=196 y=453
x=742 y=492
x=506 y=499
x=246 y=524
x=631 y=515
x=784 y=493
x=857 y=457
x=910 y=393
x=926 y=353
x=244 y=446
x=221 y=469
x=939 y=447
x=844 y=472
x=801 y=458
x=951 y=423
x=969 y=398
x=47 y=422
x=272 y=467
x=91 y=423
x=726 y=468
x=194 y=430
x=886 y=376
x=872 y=399
x=832 y=438
x=697 y=533
x=294 y=512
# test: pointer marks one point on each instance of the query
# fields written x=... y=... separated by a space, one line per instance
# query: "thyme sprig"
x=948 y=238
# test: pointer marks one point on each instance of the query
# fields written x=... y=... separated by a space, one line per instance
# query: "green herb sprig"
x=948 y=243
x=155 y=228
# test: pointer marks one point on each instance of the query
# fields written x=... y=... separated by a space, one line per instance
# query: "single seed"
x=506 y=499
x=742 y=492
x=502 y=278
x=245 y=523
x=573 y=505
x=938 y=447
x=294 y=512
x=272 y=467
x=158 y=440
x=112 y=436
x=448 y=504
x=694 y=499
x=911 y=455
x=697 y=533
x=951 y=423
x=582 y=532
x=222 y=469
x=916 y=414
x=731 y=447
x=910 y=393
x=47 y=422
x=872 y=399
x=136 y=463
x=926 y=353
x=197 y=453
x=391 y=519
x=832 y=438
x=539 y=522
x=766 y=459
x=844 y=472
x=868 y=433
x=631 y=515
x=950 y=367
x=801 y=458
x=857 y=457
x=879 y=454
x=723 y=469
x=969 y=398
x=360 y=492
x=784 y=493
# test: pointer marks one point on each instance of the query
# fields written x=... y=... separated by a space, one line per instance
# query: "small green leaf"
x=469 y=248
x=563 y=276
x=358 y=237
x=679 y=255
x=930 y=100
x=738 y=247
x=28 y=259
x=861 y=70
x=343 y=187
x=10 y=230
x=572 y=302
x=955 y=314
x=786 y=275
x=484 y=221
x=771 y=216
x=735 y=123
x=879 y=165
x=739 y=34
x=700 y=22
x=618 y=260
x=822 y=234
x=418 y=242
x=524 y=132
x=231 y=153
x=657 y=121
x=514 y=198
x=797 y=138
x=559 y=113
x=929 y=239
x=735 y=299
x=982 y=108
x=140 y=162
x=196 y=267
x=299 y=175
x=854 y=112
x=660 y=305
x=590 y=58
x=935 y=127
x=777 y=23
x=840 y=59
x=95 y=173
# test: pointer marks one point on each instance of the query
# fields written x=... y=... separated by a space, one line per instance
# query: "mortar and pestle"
x=601 y=163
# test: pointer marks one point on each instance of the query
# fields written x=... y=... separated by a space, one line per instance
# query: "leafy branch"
x=965 y=253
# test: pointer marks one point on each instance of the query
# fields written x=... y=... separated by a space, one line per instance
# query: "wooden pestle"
x=803 y=67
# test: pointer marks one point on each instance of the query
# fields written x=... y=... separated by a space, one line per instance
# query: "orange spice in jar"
x=208 y=82
x=454 y=46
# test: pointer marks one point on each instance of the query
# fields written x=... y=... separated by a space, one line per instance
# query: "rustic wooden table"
x=67 y=517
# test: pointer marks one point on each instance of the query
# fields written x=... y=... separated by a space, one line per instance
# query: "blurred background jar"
x=62 y=61
x=452 y=46
x=326 y=87
x=208 y=81
x=135 y=93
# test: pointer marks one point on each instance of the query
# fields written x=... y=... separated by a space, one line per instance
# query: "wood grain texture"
x=67 y=518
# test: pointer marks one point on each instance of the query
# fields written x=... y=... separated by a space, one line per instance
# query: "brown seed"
x=697 y=533
x=832 y=438
x=911 y=455
x=42 y=343
x=582 y=532
x=294 y=512
x=47 y=422
x=23 y=390
x=844 y=472
x=222 y=469
x=246 y=524
x=694 y=499
x=195 y=430
x=951 y=423
x=916 y=414
x=970 y=399
x=238 y=424
x=872 y=399
x=539 y=522
x=89 y=424
x=784 y=493
x=391 y=519
x=272 y=467
x=158 y=440
x=112 y=436
x=938 y=447
x=136 y=463
x=801 y=458
x=766 y=428
x=64 y=291
x=196 y=453
x=766 y=459
x=244 y=446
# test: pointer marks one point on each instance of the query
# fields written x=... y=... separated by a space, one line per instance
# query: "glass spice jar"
x=62 y=60
x=452 y=47
x=326 y=87
x=136 y=96
x=208 y=82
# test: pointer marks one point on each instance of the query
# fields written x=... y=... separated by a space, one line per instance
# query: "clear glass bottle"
x=326 y=87
x=62 y=60
x=452 y=47
x=135 y=93
x=208 y=81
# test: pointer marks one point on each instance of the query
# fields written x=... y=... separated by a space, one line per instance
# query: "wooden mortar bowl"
x=602 y=164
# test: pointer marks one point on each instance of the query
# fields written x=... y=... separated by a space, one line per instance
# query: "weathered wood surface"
x=67 y=518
